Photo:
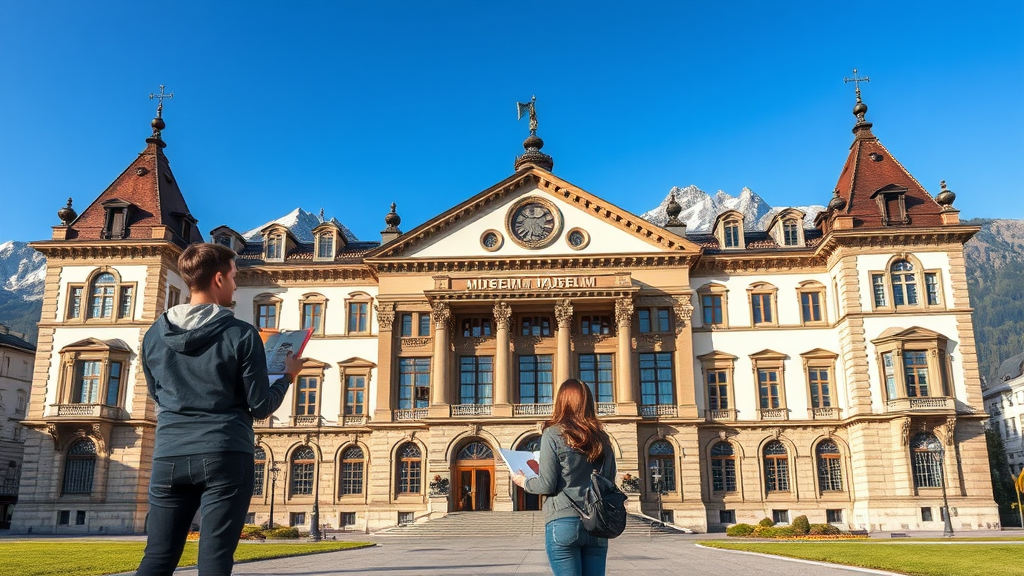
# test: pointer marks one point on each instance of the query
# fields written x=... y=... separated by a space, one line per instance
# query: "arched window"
x=259 y=470
x=904 y=283
x=926 y=460
x=776 y=467
x=531 y=445
x=476 y=451
x=723 y=467
x=303 y=471
x=410 y=469
x=79 y=468
x=830 y=470
x=102 y=296
x=352 y=464
x=661 y=463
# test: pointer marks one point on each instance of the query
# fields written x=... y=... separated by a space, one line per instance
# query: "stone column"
x=563 y=316
x=439 y=403
x=624 y=396
x=502 y=324
x=683 y=359
x=385 y=320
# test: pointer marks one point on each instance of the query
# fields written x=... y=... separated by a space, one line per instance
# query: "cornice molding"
x=266 y=275
x=893 y=238
x=69 y=250
x=548 y=263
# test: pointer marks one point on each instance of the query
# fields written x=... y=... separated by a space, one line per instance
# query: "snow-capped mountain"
x=700 y=209
x=301 y=224
x=22 y=270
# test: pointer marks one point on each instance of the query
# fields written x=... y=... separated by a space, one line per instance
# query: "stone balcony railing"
x=721 y=414
x=827 y=413
x=70 y=411
x=267 y=422
x=353 y=420
x=306 y=421
x=658 y=410
x=411 y=414
x=471 y=409
x=606 y=409
x=773 y=414
x=939 y=404
x=532 y=409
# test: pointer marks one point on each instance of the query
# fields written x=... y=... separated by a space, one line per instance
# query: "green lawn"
x=92 y=558
x=912 y=559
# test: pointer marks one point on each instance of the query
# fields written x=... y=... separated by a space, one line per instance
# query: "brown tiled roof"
x=149 y=185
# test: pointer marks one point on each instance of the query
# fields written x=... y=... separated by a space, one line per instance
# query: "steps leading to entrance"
x=505 y=525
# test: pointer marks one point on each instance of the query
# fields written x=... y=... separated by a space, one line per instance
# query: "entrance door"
x=474 y=478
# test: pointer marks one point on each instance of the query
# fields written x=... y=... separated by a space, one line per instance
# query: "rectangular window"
x=644 y=316
x=173 y=297
x=810 y=306
x=102 y=300
x=790 y=233
x=476 y=379
x=274 y=247
x=915 y=370
x=712 y=306
x=406 y=325
x=259 y=474
x=654 y=320
x=931 y=284
x=80 y=518
x=306 y=396
x=762 y=307
x=87 y=384
x=114 y=384
x=348 y=518
x=820 y=382
x=732 y=236
x=250 y=517
x=878 y=289
x=656 y=386
x=406 y=518
x=726 y=516
x=780 y=516
x=297 y=519
x=595 y=324
x=535 y=326
x=723 y=474
x=536 y=375
x=355 y=395
x=889 y=371
x=358 y=317
x=476 y=327
x=312 y=317
x=351 y=477
x=413 y=383
x=596 y=371
x=124 y=309
x=64 y=517
x=926 y=514
x=718 y=390
x=424 y=324
x=75 y=306
x=834 y=515
x=266 y=315
x=325 y=246
x=768 y=386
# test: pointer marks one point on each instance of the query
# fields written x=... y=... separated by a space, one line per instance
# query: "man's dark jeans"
x=220 y=486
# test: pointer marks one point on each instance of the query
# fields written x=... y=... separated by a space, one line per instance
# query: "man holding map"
x=207 y=372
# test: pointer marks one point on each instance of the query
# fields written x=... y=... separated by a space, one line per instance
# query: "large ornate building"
x=826 y=370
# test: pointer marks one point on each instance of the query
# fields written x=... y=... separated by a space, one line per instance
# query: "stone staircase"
x=507 y=525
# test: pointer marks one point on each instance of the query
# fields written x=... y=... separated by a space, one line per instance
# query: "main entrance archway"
x=474 y=478
x=525 y=500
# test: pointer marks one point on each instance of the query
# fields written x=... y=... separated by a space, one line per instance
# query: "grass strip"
x=911 y=559
x=94 y=558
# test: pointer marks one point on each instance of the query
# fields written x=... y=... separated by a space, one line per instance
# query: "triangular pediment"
x=912 y=333
x=533 y=214
x=97 y=344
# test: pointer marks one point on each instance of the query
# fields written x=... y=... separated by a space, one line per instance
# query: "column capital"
x=503 y=315
x=385 y=315
x=563 y=313
x=624 y=311
x=683 y=310
x=442 y=315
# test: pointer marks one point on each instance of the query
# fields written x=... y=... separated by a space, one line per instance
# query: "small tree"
x=1002 y=480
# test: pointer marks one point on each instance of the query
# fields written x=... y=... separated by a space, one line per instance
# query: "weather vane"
x=530 y=107
x=856 y=82
x=161 y=96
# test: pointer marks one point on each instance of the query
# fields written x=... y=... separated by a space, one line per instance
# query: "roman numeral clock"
x=533 y=222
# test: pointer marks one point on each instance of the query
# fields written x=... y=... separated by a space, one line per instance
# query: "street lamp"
x=314 y=529
x=274 y=471
x=947 y=527
x=656 y=476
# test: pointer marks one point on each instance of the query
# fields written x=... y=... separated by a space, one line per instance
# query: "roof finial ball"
x=945 y=197
x=67 y=214
x=393 y=219
x=673 y=210
x=837 y=202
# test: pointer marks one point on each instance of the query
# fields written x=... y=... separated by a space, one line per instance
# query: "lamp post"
x=656 y=476
x=947 y=527
x=274 y=471
x=314 y=528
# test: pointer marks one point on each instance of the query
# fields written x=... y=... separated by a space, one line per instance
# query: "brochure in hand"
x=279 y=344
x=521 y=460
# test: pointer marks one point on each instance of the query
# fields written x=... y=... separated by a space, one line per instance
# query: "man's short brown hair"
x=199 y=263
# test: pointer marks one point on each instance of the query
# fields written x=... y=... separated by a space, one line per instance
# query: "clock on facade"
x=533 y=222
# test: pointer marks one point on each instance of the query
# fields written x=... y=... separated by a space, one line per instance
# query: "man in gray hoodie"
x=207 y=372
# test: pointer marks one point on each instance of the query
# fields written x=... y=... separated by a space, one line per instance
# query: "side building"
x=743 y=373
x=1004 y=402
x=16 y=359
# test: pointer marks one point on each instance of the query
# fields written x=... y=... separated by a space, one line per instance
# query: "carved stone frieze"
x=563 y=313
x=416 y=342
x=623 y=312
x=385 y=315
x=503 y=315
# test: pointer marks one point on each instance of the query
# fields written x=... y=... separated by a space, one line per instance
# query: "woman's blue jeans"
x=220 y=487
x=572 y=551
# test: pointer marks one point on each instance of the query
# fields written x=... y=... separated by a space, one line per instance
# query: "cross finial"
x=856 y=82
x=161 y=96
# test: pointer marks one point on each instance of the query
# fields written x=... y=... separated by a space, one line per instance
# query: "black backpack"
x=604 y=506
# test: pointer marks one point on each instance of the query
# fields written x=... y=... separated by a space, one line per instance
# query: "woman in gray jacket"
x=574 y=444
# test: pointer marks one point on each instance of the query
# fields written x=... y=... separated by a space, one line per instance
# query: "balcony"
x=938 y=404
x=471 y=409
x=606 y=409
x=531 y=409
x=78 y=411
x=267 y=422
x=306 y=421
x=829 y=413
x=412 y=414
x=658 y=410
x=773 y=414
x=722 y=415
x=353 y=420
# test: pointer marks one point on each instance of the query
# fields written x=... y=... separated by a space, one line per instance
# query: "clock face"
x=533 y=223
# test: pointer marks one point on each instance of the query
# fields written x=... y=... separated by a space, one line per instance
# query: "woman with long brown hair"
x=573 y=445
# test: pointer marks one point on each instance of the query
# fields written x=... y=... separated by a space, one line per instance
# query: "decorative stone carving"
x=905 y=433
x=415 y=342
x=442 y=315
x=385 y=315
x=722 y=435
x=51 y=429
x=684 y=310
x=950 y=430
x=503 y=315
x=776 y=433
x=563 y=313
x=623 y=312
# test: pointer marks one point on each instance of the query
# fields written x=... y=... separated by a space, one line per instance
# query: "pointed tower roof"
x=156 y=207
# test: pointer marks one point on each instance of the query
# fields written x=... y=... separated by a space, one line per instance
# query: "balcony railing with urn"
x=471 y=409
x=74 y=411
x=658 y=410
x=926 y=404
x=411 y=414
x=532 y=409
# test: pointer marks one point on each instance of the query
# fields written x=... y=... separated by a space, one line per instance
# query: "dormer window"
x=325 y=246
x=729 y=230
x=223 y=240
x=787 y=228
x=328 y=240
x=275 y=247
x=732 y=234
x=892 y=205
x=115 y=224
x=790 y=232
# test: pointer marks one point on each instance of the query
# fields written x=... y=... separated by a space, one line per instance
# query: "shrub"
x=739 y=530
x=283 y=532
x=766 y=522
x=801 y=525
x=252 y=532
x=823 y=530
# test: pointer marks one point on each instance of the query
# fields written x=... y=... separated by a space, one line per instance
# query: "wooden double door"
x=474 y=486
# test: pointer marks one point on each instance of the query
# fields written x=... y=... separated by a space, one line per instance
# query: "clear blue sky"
x=352 y=105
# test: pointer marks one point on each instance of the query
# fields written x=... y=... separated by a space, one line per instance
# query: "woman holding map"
x=573 y=445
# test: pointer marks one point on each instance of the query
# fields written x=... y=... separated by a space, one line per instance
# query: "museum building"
x=828 y=370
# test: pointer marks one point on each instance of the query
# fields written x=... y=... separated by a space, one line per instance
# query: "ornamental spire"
x=158 y=122
x=533 y=143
